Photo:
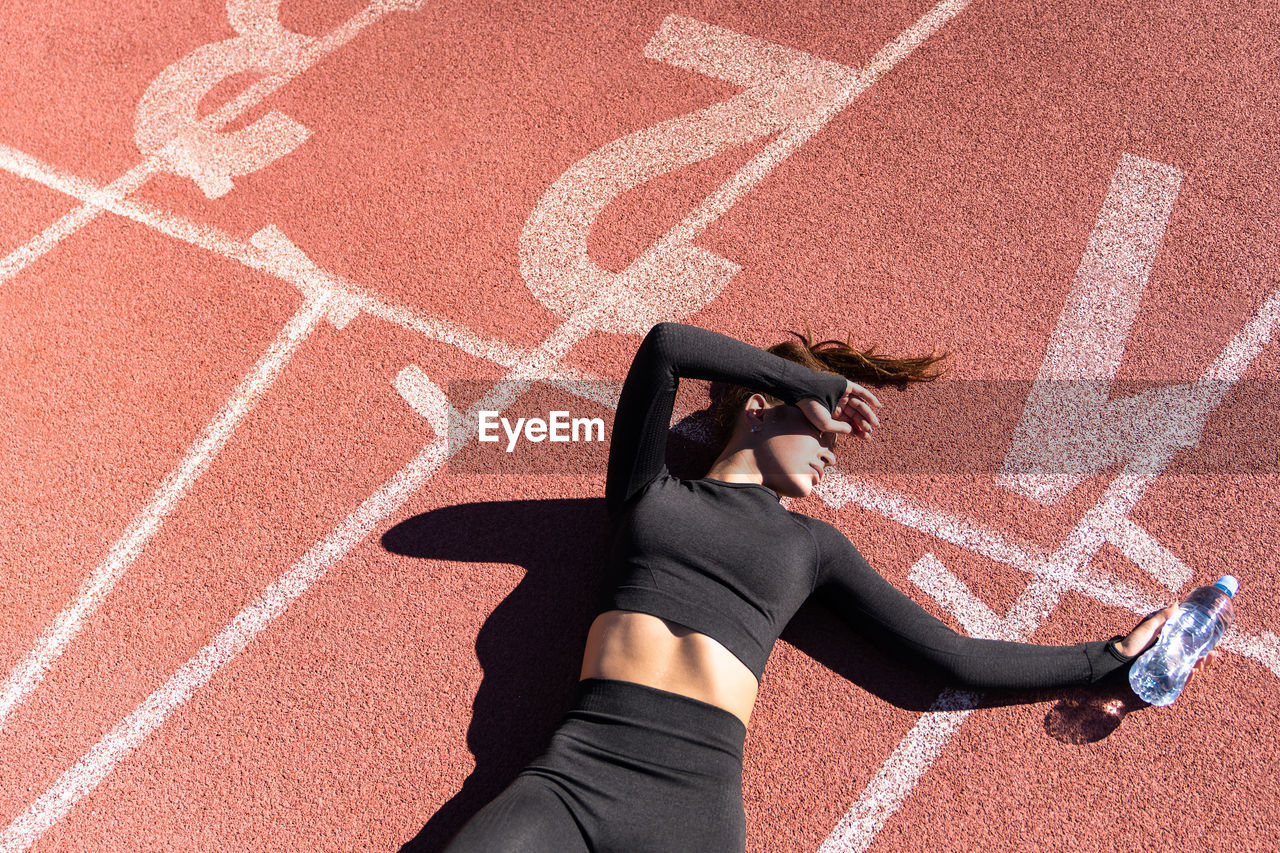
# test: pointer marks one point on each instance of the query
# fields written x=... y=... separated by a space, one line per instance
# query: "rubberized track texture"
x=263 y=264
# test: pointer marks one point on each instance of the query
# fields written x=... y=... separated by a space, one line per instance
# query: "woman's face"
x=790 y=451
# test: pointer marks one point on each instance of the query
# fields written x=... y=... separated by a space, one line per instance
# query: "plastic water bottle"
x=1195 y=627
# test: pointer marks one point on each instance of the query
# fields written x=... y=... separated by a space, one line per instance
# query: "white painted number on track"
x=166 y=120
x=1071 y=429
x=786 y=89
x=158 y=161
x=167 y=112
x=83 y=777
x=1087 y=345
x=788 y=92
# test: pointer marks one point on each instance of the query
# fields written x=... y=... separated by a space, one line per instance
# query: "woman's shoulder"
x=807 y=521
x=822 y=531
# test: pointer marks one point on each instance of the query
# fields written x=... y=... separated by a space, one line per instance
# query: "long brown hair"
x=830 y=356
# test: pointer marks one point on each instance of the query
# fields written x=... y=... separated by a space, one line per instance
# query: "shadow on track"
x=530 y=647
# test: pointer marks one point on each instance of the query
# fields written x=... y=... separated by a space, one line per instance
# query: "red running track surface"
x=252 y=598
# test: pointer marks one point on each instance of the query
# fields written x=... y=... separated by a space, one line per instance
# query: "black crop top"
x=729 y=561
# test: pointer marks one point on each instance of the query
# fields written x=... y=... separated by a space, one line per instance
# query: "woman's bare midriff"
x=646 y=649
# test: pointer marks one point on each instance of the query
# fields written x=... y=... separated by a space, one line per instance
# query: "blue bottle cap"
x=1228 y=584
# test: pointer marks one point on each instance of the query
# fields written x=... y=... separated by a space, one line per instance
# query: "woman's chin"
x=797 y=487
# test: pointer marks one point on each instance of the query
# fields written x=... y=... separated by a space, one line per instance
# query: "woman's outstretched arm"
x=638 y=441
x=873 y=606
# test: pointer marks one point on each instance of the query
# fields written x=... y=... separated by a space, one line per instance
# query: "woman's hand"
x=1146 y=633
x=852 y=411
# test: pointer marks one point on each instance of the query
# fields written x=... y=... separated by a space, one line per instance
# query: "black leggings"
x=630 y=769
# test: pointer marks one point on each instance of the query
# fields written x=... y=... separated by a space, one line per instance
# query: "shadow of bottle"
x=1085 y=718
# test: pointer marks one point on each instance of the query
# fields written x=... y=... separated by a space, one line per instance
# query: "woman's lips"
x=816 y=470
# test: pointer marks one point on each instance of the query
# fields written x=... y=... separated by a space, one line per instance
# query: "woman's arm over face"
x=847 y=584
x=638 y=441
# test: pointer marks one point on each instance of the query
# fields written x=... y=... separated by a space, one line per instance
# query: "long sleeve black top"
x=728 y=560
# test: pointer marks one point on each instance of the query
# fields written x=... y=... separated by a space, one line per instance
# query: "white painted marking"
x=309 y=276
x=426 y=398
x=131 y=181
x=269 y=250
x=312 y=280
x=1068 y=568
x=977 y=619
x=95 y=765
x=792 y=93
x=1148 y=553
x=898 y=775
x=166 y=118
x=1264 y=648
x=1061 y=568
x=673 y=278
x=26 y=676
x=69 y=223
x=1070 y=430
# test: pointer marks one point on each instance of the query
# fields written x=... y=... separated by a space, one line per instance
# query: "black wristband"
x=1112 y=649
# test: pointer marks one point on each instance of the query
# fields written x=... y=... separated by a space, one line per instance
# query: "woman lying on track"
x=704 y=575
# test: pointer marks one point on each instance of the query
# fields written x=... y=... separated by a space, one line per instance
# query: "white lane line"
x=131 y=181
x=842 y=490
x=1149 y=553
x=786 y=143
x=897 y=776
x=69 y=223
x=269 y=250
x=95 y=765
x=977 y=619
x=310 y=279
x=26 y=676
x=426 y=398
x=1068 y=568
x=1025 y=556
x=350 y=295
